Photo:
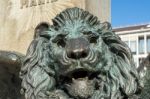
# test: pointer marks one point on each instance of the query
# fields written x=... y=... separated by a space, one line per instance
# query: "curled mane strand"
x=72 y=15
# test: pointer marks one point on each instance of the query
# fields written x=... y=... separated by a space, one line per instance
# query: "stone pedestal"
x=12 y=40
x=100 y=8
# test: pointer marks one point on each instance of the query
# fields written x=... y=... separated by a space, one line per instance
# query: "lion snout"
x=77 y=48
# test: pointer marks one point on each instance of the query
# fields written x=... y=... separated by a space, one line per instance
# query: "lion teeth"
x=73 y=80
x=86 y=78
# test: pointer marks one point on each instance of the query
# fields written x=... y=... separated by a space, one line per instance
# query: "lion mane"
x=119 y=77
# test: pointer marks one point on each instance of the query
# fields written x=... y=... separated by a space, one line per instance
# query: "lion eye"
x=61 y=43
x=87 y=33
x=60 y=40
x=92 y=37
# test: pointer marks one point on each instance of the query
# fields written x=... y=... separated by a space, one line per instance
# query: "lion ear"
x=41 y=30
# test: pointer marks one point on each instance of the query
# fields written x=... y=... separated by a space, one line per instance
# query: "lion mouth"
x=80 y=82
x=80 y=73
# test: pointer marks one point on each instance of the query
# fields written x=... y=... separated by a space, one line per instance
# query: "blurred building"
x=137 y=37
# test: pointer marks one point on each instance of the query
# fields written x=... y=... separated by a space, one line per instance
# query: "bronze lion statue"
x=78 y=58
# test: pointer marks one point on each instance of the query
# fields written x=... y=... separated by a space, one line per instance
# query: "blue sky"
x=130 y=12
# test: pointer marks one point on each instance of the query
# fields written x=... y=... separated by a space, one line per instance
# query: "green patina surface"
x=77 y=53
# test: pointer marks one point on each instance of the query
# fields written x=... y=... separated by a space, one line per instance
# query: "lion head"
x=78 y=57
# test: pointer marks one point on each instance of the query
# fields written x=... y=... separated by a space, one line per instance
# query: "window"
x=127 y=42
x=148 y=44
x=135 y=61
x=133 y=47
x=141 y=60
x=141 y=45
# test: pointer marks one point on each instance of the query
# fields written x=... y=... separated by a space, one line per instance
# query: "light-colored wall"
x=12 y=40
x=100 y=8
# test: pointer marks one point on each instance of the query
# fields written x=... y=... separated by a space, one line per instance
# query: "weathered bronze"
x=78 y=58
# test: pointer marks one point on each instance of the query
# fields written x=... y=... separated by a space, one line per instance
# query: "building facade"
x=137 y=38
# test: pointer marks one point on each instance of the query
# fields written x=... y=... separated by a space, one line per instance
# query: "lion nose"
x=77 y=48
